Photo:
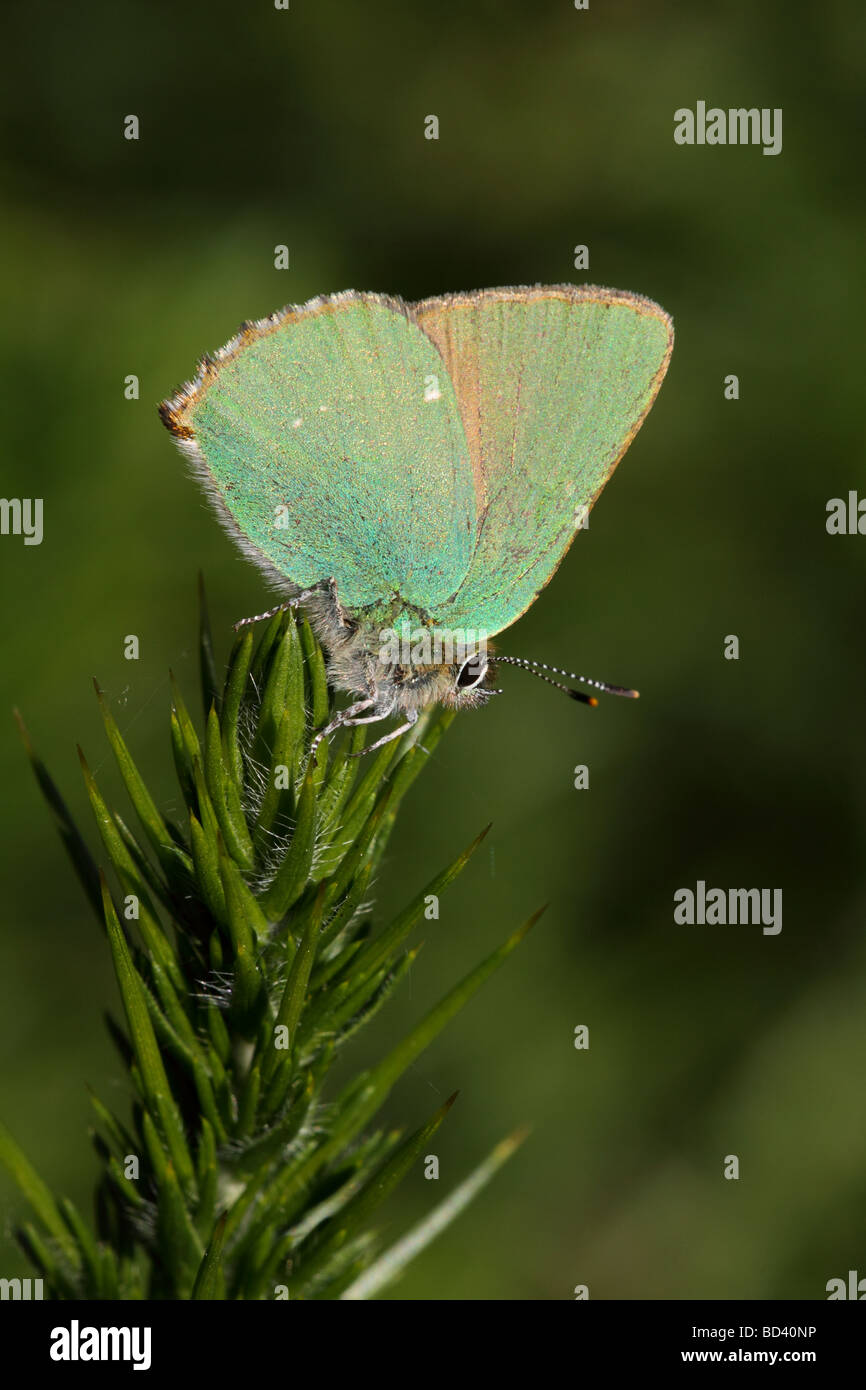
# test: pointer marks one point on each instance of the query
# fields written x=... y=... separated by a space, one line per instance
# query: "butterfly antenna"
x=538 y=668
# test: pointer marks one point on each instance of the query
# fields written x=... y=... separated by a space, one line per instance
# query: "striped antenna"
x=537 y=668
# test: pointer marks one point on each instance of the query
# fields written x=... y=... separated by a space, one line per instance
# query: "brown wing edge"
x=574 y=293
x=173 y=410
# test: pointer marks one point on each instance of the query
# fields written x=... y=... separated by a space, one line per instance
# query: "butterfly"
x=412 y=474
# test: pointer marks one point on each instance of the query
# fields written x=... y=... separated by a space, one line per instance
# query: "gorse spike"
x=537 y=668
x=248 y=964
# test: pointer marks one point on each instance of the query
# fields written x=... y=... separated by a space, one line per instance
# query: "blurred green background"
x=306 y=127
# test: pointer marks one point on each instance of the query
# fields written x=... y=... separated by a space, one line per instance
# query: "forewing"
x=330 y=440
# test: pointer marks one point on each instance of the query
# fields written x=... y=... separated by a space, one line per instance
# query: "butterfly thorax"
x=400 y=658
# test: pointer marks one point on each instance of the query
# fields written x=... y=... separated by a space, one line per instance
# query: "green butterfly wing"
x=553 y=383
x=330 y=440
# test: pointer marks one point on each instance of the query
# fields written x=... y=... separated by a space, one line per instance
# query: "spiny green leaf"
x=83 y=1237
x=118 y=1134
x=209 y=978
x=236 y=682
x=426 y=735
x=210 y=692
x=174 y=863
x=207 y=1175
x=165 y=1033
x=368 y=998
x=247 y=906
x=364 y=794
x=205 y=854
x=316 y=674
x=425 y=741
x=359 y=853
x=342 y=919
x=341 y=776
x=62 y=1280
x=327 y=969
x=295 y=992
x=256 y=1158
x=37 y=1193
x=147 y=921
x=348 y=1223
x=393 y=1262
x=185 y=724
x=108 y=1273
x=174 y=1009
x=291 y=877
x=207 y=1098
x=282 y=661
x=378 y=951
x=82 y=861
x=271 y=634
x=146 y=869
x=346 y=1181
x=249 y=1100
x=224 y=797
x=219 y=1034
x=384 y=1075
x=125 y=1187
x=248 y=993
x=154 y=1079
x=206 y=813
x=179 y=1239
x=278 y=803
x=182 y=761
x=360 y=1101
x=209 y=1281
x=266 y=1265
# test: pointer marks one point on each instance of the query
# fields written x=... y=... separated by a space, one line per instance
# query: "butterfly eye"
x=471 y=673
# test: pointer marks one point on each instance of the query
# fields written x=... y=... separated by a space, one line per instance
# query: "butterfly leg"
x=346 y=716
x=296 y=599
x=348 y=719
x=411 y=720
x=260 y=617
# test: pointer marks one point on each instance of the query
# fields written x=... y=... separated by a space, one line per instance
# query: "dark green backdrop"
x=305 y=127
